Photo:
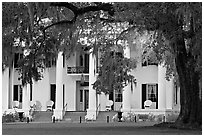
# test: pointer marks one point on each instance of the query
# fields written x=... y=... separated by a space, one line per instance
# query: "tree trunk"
x=191 y=110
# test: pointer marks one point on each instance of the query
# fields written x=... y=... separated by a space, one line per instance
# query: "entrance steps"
x=105 y=116
x=42 y=116
x=74 y=116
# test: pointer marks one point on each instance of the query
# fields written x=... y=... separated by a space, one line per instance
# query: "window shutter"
x=156 y=96
x=143 y=94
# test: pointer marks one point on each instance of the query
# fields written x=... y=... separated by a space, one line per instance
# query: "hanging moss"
x=114 y=72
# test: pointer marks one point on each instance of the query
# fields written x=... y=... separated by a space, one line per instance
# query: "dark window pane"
x=15 y=93
x=21 y=94
x=81 y=95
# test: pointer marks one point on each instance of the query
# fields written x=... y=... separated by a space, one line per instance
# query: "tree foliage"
x=175 y=30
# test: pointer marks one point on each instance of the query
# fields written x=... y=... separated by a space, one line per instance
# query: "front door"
x=86 y=99
x=18 y=94
x=83 y=99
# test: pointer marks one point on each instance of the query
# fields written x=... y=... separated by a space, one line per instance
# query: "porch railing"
x=64 y=110
x=77 y=70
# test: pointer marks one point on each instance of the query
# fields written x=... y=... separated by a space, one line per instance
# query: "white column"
x=127 y=90
x=59 y=88
x=5 y=90
x=169 y=94
x=10 y=87
x=25 y=100
x=91 y=111
x=161 y=87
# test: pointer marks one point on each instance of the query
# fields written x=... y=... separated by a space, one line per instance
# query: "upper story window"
x=52 y=62
x=84 y=61
x=149 y=58
x=116 y=54
x=17 y=58
x=118 y=97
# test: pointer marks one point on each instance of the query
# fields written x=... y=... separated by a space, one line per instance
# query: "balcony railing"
x=77 y=70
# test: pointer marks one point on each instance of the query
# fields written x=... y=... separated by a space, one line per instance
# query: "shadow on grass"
x=179 y=126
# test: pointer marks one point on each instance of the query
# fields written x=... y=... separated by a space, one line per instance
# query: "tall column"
x=10 y=87
x=59 y=87
x=5 y=89
x=25 y=100
x=161 y=87
x=91 y=111
x=169 y=93
x=127 y=90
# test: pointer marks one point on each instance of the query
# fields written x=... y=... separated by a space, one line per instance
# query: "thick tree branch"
x=105 y=7
x=59 y=23
x=80 y=11
x=70 y=6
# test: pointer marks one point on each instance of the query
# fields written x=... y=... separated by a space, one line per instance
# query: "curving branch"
x=80 y=11
x=58 y=23
x=66 y=5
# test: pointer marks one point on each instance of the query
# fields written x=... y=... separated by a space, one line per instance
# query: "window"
x=81 y=60
x=84 y=62
x=118 y=97
x=52 y=62
x=17 y=57
x=63 y=94
x=81 y=95
x=149 y=58
x=151 y=93
x=175 y=94
x=17 y=93
x=63 y=59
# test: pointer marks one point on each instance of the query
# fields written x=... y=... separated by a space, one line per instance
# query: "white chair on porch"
x=49 y=105
x=15 y=104
x=147 y=104
x=108 y=105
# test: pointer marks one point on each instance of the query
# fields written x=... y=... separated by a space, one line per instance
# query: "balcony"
x=77 y=70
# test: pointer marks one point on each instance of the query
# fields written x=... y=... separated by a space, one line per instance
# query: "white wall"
x=5 y=90
x=52 y=75
x=41 y=90
x=70 y=91
x=102 y=100
x=143 y=75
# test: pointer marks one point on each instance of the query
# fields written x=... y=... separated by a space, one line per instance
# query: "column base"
x=57 y=114
x=91 y=114
x=26 y=113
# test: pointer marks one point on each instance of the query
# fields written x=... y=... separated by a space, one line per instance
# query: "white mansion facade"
x=62 y=83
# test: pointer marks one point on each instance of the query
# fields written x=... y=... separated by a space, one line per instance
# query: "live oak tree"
x=19 y=36
x=177 y=28
x=176 y=40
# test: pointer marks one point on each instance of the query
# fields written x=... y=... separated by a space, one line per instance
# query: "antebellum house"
x=68 y=83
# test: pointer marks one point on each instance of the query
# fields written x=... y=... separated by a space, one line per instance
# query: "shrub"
x=171 y=117
x=10 y=117
x=143 y=116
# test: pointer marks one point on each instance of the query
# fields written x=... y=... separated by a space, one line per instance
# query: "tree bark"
x=191 y=110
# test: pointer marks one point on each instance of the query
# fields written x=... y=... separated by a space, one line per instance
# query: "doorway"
x=53 y=93
x=18 y=94
x=83 y=99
